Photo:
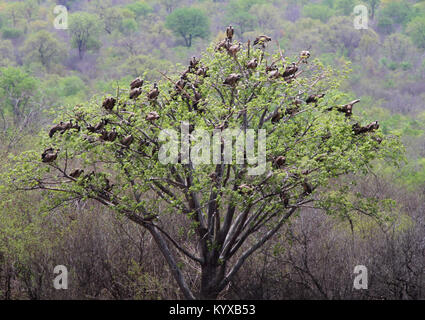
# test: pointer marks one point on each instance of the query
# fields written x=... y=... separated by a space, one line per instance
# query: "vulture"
x=109 y=103
x=232 y=79
x=369 y=128
x=307 y=187
x=274 y=74
x=112 y=135
x=252 y=64
x=290 y=111
x=153 y=94
x=314 y=98
x=290 y=70
x=49 y=155
x=126 y=141
x=285 y=198
x=234 y=49
x=280 y=161
x=222 y=44
x=348 y=108
x=134 y=93
x=245 y=189
x=76 y=173
x=103 y=135
x=193 y=63
x=202 y=72
x=197 y=97
x=262 y=40
x=180 y=84
x=152 y=116
x=48 y=150
x=276 y=117
x=100 y=125
x=230 y=32
x=58 y=127
x=136 y=83
x=213 y=176
x=270 y=67
x=304 y=55
x=297 y=102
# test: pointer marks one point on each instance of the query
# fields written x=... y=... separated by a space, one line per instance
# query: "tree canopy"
x=110 y=150
x=188 y=23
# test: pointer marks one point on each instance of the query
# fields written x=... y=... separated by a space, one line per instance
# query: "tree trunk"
x=212 y=273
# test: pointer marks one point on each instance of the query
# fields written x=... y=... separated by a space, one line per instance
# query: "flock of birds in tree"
x=183 y=87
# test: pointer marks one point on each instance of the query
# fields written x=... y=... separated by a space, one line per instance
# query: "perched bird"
x=270 y=67
x=369 y=128
x=48 y=150
x=103 y=135
x=307 y=187
x=252 y=64
x=152 y=116
x=54 y=129
x=134 y=93
x=276 y=117
x=348 y=108
x=285 y=198
x=290 y=70
x=112 y=135
x=262 y=40
x=49 y=155
x=109 y=103
x=279 y=161
x=136 y=83
x=180 y=84
x=245 y=189
x=304 y=55
x=274 y=74
x=223 y=44
x=202 y=72
x=213 y=176
x=234 y=49
x=232 y=79
x=76 y=173
x=153 y=94
x=98 y=127
x=230 y=32
x=314 y=98
x=127 y=140
x=193 y=63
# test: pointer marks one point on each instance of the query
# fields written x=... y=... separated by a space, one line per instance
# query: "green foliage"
x=416 y=30
x=188 y=23
x=394 y=13
x=16 y=85
x=11 y=33
x=318 y=11
x=140 y=8
x=84 y=29
x=42 y=46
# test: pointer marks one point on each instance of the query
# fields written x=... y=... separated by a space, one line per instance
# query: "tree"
x=42 y=46
x=373 y=4
x=188 y=23
x=416 y=30
x=16 y=91
x=84 y=29
x=318 y=11
x=231 y=207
